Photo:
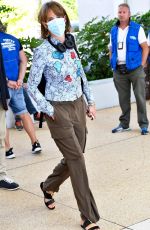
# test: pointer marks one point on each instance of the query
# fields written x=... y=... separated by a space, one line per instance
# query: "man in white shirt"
x=128 y=54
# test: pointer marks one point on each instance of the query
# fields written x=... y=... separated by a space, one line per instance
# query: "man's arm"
x=22 y=67
x=110 y=47
x=145 y=52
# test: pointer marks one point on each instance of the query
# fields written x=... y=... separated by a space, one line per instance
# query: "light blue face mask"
x=57 y=26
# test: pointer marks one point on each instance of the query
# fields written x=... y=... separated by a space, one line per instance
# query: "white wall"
x=140 y=6
x=89 y=9
x=105 y=93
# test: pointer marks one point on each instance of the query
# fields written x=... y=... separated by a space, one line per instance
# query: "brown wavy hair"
x=57 y=9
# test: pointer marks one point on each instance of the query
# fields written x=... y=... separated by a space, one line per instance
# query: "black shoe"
x=8 y=184
x=10 y=154
x=36 y=147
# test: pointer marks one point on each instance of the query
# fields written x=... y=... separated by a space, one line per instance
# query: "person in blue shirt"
x=64 y=107
x=128 y=55
x=15 y=63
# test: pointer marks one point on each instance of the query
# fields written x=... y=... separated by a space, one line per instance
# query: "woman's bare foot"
x=87 y=225
x=48 y=198
x=52 y=205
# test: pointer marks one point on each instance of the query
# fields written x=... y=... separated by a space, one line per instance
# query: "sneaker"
x=144 y=131
x=36 y=147
x=120 y=129
x=10 y=154
x=8 y=184
x=18 y=125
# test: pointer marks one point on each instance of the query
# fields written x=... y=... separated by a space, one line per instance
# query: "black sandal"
x=47 y=196
x=87 y=223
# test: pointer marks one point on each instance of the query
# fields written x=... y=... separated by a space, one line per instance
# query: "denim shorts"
x=17 y=102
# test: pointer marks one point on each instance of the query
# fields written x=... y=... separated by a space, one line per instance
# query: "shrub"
x=93 y=42
x=28 y=45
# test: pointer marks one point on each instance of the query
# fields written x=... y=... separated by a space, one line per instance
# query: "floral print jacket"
x=63 y=73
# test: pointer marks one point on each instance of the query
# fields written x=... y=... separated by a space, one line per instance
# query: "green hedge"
x=28 y=45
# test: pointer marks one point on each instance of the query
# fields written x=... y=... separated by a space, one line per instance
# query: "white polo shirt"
x=122 y=35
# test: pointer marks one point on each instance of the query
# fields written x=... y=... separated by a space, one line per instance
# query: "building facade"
x=89 y=9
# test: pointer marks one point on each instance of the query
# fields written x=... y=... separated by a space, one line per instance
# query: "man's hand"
x=91 y=112
x=145 y=51
x=19 y=83
x=12 y=84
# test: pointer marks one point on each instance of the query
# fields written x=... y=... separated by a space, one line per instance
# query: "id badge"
x=120 y=45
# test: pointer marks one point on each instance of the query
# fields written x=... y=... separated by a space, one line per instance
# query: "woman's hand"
x=50 y=117
x=91 y=112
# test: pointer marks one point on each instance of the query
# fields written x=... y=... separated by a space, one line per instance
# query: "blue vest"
x=10 y=51
x=133 y=48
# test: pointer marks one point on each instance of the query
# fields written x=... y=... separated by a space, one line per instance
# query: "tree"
x=6 y=11
x=71 y=8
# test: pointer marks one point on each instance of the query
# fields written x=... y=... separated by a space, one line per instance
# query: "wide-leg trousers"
x=68 y=129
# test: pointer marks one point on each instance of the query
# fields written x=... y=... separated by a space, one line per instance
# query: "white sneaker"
x=9 y=184
x=10 y=154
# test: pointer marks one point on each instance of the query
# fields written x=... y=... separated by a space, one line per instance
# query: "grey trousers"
x=123 y=84
x=2 y=145
x=69 y=133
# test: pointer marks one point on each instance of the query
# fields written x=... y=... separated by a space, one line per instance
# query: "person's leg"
x=7 y=140
x=2 y=144
x=5 y=182
x=77 y=169
x=28 y=126
x=18 y=106
x=9 y=150
x=138 y=81
x=123 y=87
x=65 y=137
x=59 y=175
x=18 y=123
x=61 y=171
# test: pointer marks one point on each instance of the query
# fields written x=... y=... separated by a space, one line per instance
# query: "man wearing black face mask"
x=5 y=182
x=128 y=54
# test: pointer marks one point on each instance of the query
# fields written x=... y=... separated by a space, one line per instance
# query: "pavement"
x=118 y=167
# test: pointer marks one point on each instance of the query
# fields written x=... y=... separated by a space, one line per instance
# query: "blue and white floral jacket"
x=63 y=73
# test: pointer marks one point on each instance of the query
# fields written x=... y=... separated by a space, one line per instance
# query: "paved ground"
x=118 y=166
